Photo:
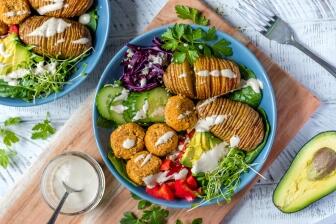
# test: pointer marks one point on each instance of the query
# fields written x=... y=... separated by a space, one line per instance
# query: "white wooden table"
x=316 y=27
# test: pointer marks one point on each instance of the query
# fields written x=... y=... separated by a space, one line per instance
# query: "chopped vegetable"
x=120 y=166
x=144 y=66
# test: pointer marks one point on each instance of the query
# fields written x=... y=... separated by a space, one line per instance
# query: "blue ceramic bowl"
x=240 y=55
x=100 y=40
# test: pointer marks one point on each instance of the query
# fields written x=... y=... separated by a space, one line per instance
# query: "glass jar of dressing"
x=79 y=171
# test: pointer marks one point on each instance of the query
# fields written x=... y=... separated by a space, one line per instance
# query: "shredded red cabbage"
x=144 y=66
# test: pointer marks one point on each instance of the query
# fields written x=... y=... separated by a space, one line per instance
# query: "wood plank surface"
x=295 y=106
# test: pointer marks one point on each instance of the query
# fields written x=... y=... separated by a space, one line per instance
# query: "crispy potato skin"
x=127 y=131
x=51 y=45
x=185 y=80
x=242 y=121
x=3 y=28
x=180 y=113
x=71 y=8
x=14 y=11
x=136 y=173
x=153 y=133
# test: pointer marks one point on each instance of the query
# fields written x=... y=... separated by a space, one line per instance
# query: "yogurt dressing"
x=207 y=102
x=128 y=143
x=79 y=174
x=183 y=75
x=209 y=160
x=123 y=96
x=53 y=6
x=119 y=109
x=158 y=112
x=184 y=115
x=15 y=13
x=255 y=84
x=161 y=177
x=234 y=141
x=50 y=28
x=81 y=41
x=3 y=52
x=164 y=138
x=85 y=19
x=228 y=73
x=12 y=77
x=142 y=113
x=62 y=40
x=205 y=124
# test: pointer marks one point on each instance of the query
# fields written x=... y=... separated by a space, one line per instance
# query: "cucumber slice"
x=157 y=100
x=134 y=104
x=104 y=101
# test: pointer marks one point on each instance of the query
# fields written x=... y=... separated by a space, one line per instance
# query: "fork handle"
x=330 y=68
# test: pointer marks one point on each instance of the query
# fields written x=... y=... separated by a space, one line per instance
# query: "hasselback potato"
x=3 y=28
x=14 y=11
x=60 y=38
x=240 y=120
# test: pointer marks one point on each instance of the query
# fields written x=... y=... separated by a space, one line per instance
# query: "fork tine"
x=254 y=9
x=244 y=15
x=254 y=15
x=262 y=7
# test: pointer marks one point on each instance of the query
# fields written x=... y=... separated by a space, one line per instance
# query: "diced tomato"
x=191 y=133
x=191 y=182
x=162 y=192
x=183 y=191
x=166 y=165
x=14 y=29
x=175 y=169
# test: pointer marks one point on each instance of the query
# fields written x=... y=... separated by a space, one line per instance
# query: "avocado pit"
x=323 y=164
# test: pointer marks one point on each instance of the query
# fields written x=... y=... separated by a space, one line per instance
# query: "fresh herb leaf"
x=8 y=137
x=185 y=12
x=120 y=166
x=43 y=130
x=211 y=34
x=143 y=204
x=5 y=156
x=221 y=48
x=178 y=222
x=134 y=196
x=93 y=20
x=197 y=221
x=12 y=121
x=129 y=218
x=104 y=123
x=155 y=215
x=179 y=57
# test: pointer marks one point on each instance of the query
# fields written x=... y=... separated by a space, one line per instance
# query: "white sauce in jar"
x=205 y=124
x=53 y=6
x=128 y=143
x=50 y=28
x=78 y=174
x=164 y=138
x=209 y=160
x=84 y=19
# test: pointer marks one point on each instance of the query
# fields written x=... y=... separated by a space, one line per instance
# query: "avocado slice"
x=199 y=143
x=13 y=54
x=311 y=176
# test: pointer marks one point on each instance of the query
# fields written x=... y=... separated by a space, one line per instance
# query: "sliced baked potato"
x=179 y=79
x=3 y=28
x=240 y=120
x=14 y=11
x=55 y=37
x=61 y=8
x=207 y=77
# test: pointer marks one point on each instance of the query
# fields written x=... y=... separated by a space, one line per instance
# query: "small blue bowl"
x=100 y=40
x=240 y=55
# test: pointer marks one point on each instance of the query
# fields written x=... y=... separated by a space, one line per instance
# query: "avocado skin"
x=314 y=198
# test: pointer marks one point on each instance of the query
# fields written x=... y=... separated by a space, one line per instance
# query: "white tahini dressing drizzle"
x=62 y=40
x=42 y=68
x=228 y=73
x=50 y=28
x=205 y=124
x=140 y=157
x=146 y=160
x=255 y=84
x=123 y=96
x=3 y=52
x=53 y=6
x=11 y=78
x=84 y=19
x=81 y=41
x=143 y=82
x=209 y=160
x=161 y=177
x=119 y=109
x=207 y=102
x=184 y=115
x=15 y=13
x=142 y=113
x=158 y=112
x=128 y=143
x=234 y=141
x=164 y=138
x=183 y=75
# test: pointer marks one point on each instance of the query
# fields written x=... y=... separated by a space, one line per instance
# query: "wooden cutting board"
x=25 y=205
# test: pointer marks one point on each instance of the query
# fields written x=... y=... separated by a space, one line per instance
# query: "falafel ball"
x=161 y=140
x=142 y=165
x=180 y=113
x=127 y=140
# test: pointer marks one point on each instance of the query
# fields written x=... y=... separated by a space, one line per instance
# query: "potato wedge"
x=55 y=37
x=61 y=8
x=240 y=120
x=14 y=11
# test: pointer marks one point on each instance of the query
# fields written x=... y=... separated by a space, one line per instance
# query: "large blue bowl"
x=241 y=55
x=100 y=40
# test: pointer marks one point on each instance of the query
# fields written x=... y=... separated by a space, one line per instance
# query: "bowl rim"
x=16 y=102
x=184 y=203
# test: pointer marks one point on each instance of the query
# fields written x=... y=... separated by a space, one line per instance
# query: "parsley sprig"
x=189 y=44
x=43 y=130
x=185 y=12
x=152 y=214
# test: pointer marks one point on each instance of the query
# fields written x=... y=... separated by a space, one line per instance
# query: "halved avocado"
x=311 y=176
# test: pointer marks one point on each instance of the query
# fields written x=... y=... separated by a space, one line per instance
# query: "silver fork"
x=271 y=26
